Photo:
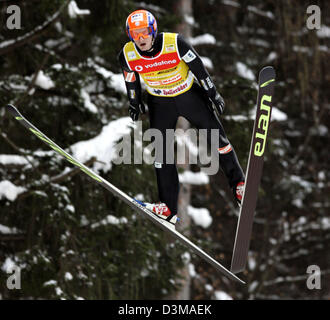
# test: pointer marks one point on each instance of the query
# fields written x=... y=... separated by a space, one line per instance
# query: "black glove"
x=218 y=102
x=135 y=109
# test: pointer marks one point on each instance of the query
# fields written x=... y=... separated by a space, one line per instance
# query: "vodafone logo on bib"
x=162 y=62
x=156 y=65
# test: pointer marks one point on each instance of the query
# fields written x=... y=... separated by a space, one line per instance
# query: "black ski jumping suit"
x=164 y=110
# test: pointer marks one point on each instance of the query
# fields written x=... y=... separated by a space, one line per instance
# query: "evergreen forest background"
x=72 y=239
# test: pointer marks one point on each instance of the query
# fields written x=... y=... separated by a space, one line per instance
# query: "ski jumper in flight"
x=169 y=67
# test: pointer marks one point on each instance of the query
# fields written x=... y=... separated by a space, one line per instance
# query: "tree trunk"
x=184 y=9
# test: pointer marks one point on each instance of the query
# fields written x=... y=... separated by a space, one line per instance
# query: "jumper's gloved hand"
x=218 y=102
x=135 y=109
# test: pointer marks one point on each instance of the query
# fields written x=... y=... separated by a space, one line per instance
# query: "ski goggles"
x=137 y=33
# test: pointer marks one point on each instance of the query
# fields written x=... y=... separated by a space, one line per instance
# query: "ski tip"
x=10 y=106
x=268 y=68
x=13 y=110
x=268 y=71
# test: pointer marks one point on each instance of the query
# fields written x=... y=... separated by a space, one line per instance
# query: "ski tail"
x=254 y=169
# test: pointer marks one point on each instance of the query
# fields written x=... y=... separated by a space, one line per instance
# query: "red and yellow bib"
x=165 y=75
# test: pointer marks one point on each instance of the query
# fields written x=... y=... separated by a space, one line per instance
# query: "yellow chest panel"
x=165 y=74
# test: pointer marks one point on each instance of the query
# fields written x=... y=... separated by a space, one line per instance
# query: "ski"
x=134 y=204
x=254 y=169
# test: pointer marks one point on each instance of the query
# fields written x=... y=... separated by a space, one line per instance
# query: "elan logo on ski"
x=263 y=123
x=254 y=169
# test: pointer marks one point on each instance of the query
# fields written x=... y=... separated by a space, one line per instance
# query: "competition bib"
x=165 y=75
